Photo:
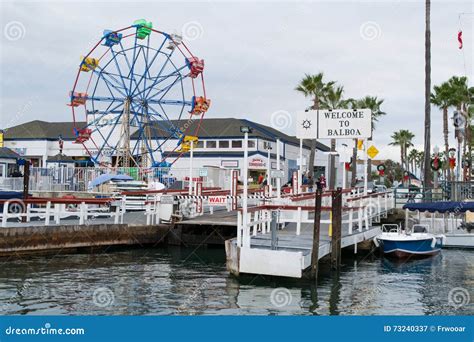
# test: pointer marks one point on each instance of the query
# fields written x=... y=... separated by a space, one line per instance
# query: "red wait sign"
x=217 y=200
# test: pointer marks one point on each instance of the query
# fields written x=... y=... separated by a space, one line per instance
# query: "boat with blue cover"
x=408 y=243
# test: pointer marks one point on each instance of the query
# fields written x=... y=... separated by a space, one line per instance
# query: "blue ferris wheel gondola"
x=134 y=94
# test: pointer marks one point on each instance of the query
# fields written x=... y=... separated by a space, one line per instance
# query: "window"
x=251 y=144
x=200 y=144
x=211 y=144
x=267 y=145
x=223 y=144
x=236 y=143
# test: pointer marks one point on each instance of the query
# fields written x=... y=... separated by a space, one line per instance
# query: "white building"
x=220 y=144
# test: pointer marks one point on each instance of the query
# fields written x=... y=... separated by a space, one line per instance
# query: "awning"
x=441 y=207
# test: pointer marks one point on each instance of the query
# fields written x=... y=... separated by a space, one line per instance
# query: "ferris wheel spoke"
x=164 y=90
x=172 y=129
x=111 y=79
x=108 y=83
x=168 y=59
x=147 y=69
x=115 y=58
x=158 y=80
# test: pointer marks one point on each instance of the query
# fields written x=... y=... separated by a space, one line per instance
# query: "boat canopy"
x=441 y=207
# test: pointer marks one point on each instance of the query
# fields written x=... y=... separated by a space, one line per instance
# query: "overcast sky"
x=255 y=53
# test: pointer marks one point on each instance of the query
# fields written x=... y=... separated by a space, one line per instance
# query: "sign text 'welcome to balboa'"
x=334 y=124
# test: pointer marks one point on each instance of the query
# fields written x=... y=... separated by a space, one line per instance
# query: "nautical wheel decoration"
x=130 y=89
x=436 y=163
x=381 y=169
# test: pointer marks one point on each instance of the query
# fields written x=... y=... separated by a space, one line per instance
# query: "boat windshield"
x=390 y=228
x=420 y=228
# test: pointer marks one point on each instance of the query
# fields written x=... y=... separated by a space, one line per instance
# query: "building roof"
x=5 y=152
x=215 y=128
x=60 y=158
x=210 y=128
x=44 y=130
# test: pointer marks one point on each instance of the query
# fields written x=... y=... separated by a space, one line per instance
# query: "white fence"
x=358 y=212
x=79 y=178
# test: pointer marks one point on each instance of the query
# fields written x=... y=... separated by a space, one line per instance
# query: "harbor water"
x=187 y=281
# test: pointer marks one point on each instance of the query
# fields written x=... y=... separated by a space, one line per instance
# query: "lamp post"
x=191 y=169
x=278 y=181
x=300 y=170
x=246 y=130
x=269 y=169
x=344 y=160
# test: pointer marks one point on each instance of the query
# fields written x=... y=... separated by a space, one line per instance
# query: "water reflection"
x=181 y=281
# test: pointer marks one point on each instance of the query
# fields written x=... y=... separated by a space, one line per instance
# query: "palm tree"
x=443 y=98
x=403 y=138
x=372 y=103
x=312 y=86
x=427 y=142
x=413 y=160
x=461 y=99
x=333 y=99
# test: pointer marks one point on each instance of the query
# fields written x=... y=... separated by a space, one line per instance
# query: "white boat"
x=408 y=243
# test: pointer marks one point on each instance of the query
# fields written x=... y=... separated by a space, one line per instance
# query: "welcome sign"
x=345 y=124
x=334 y=124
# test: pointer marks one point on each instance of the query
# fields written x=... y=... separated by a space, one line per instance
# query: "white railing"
x=358 y=212
x=84 y=211
x=79 y=178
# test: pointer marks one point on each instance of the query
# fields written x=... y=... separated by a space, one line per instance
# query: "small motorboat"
x=408 y=243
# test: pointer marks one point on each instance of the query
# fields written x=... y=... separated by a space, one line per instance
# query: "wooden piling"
x=316 y=232
x=336 y=228
x=26 y=185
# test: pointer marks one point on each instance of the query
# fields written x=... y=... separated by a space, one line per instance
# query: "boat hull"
x=410 y=249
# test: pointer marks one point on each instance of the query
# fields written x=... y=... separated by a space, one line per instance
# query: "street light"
x=246 y=129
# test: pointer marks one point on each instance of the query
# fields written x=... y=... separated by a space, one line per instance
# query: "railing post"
x=28 y=212
x=5 y=214
x=359 y=219
x=57 y=209
x=274 y=230
x=48 y=213
x=82 y=213
x=239 y=228
x=351 y=214
x=298 y=221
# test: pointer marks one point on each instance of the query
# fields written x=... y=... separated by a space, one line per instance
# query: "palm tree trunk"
x=354 y=164
x=427 y=145
x=402 y=162
x=312 y=153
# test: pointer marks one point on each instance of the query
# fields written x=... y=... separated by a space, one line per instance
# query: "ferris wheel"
x=130 y=91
